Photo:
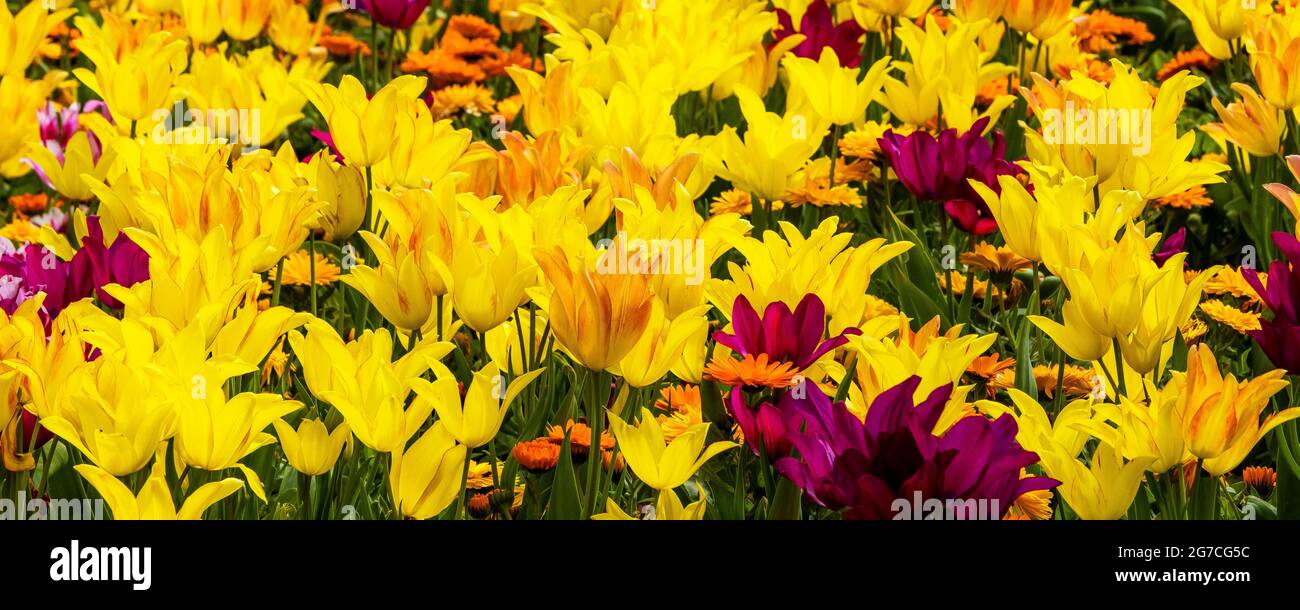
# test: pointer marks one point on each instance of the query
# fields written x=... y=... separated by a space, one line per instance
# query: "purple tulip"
x=396 y=14
x=784 y=336
x=123 y=263
x=58 y=126
x=1172 y=246
x=862 y=468
x=768 y=426
x=1279 y=335
x=32 y=269
x=820 y=30
x=938 y=169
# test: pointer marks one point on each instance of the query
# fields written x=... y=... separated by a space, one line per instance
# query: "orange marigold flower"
x=1102 y=31
x=579 y=438
x=751 y=371
x=474 y=100
x=1230 y=281
x=496 y=65
x=538 y=455
x=30 y=204
x=478 y=51
x=445 y=69
x=679 y=398
x=1077 y=383
x=1193 y=331
x=1195 y=197
x=985 y=368
x=344 y=45
x=734 y=201
x=472 y=26
x=1262 y=478
x=997 y=260
x=480 y=506
x=618 y=462
x=1186 y=60
x=1241 y=321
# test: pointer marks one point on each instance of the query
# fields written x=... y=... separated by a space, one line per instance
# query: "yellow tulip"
x=243 y=19
x=907 y=9
x=202 y=19
x=1153 y=431
x=1042 y=18
x=363 y=128
x=340 y=189
x=1102 y=489
x=667 y=508
x=661 y=345
x=597 y=317
x=1075 y=337
x=1221 y=415
x=1276 y=57
x=136 y=84
x=424 y=150
x=1219 y=23
x=78 y=160
x=19 y=130
x=426 y=476
x=490 y=283
x=291 y=28
x=773 y=147
x=948 y=71
x=973 y=10
x=154 y=502
x=1252 y=124
x=833 y=91
x=659 y=465
x=214 y=433
x=399 y=285
x=22 y=34
x=363 y=382
x=311 y=449
x=11 y=416
x=115 y=415
x=476 y=420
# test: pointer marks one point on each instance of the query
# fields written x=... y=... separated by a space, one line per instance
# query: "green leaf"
x=566 y=500
x=787 y=503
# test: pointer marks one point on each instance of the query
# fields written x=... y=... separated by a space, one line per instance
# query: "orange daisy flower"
x=30 y=204
x=1195 y=197
x=1187 y=60
x=751 y=371
x=1102 y=31
x=537 y=456
x=1262 y=478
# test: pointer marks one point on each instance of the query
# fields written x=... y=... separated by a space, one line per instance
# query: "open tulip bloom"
x=726 y=260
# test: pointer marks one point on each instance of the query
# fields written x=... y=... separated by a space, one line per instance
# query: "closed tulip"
x=311 y=449
x=597 y=317
x=426 y=476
